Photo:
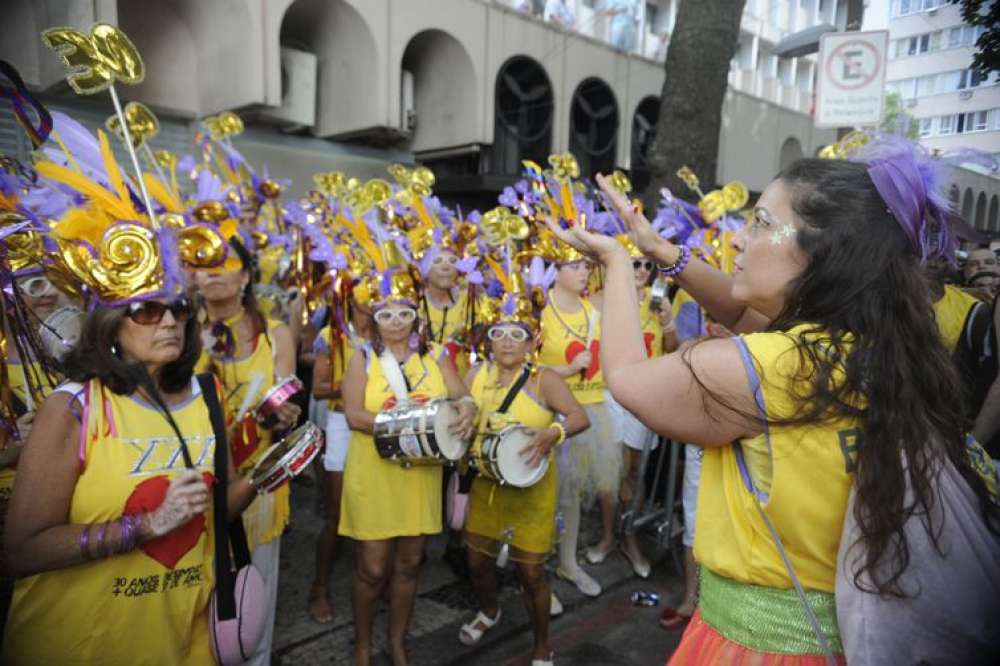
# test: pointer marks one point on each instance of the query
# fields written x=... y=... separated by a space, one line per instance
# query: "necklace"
x=569 y=329
x=439 y=336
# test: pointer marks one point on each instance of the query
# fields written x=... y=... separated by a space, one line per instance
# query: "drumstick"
x=255 y=381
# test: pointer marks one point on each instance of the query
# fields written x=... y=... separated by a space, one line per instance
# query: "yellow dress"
x=522 y=517
x=802 y=474
x=951 y=311
x=383 y=500
x=147 y=607
x=564 y=336
x=267 y=515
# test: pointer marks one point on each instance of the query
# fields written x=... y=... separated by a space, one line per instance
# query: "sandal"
x=671 y=620
x=317 y=600
x=544 y=662
x=470 y=634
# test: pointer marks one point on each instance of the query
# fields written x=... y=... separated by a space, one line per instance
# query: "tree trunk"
x=687 y=132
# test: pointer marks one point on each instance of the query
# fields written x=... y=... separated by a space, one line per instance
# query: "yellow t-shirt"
x=564 y=336
x=267 y=515
x=801 y=474
x=147 y=607
x=381 y=499
x=449 y=327
x=652 y=332
x=950 y=311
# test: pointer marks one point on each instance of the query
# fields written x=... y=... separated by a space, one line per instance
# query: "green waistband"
x=766 y=619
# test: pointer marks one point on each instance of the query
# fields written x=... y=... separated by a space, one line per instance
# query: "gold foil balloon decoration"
x=736 y=195
x=377 y=191
x=500 y=225
x=25 y=248
x=842 y=149
x=330 y=182
x=96 y=60
x=620 y=182
x=564 y=166
x=224 y=125
x=201 y=247
x=142 y=124
x=126 y=265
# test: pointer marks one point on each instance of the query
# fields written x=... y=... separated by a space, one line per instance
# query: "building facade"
x=468 y=87
x=953 y=107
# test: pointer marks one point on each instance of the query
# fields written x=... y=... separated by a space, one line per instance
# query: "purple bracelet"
x=678 y=266
x=99 y=546
x=129 y=533
x=85 y=542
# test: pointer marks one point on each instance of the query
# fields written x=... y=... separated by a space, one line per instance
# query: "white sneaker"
x=555 y=606
x=582 y=580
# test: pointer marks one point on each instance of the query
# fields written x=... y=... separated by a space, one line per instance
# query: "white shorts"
x=689 y=494
x=628 y=428
x=338 y=436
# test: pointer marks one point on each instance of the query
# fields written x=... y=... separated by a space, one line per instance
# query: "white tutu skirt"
x=590 y=463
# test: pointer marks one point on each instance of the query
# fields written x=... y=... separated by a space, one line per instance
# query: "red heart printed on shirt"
x=649 y=337
x=169 y=548
x=574 y=349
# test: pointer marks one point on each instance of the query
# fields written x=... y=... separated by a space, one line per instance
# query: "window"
x=980 y=122
x=996 y=119
x=926 y=127
x=955 y=37
x=971 y=78
x=949 y=81
x=908 y=88
x=946 y=125
x=925 y=85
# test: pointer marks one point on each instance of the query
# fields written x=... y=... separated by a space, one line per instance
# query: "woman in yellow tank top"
x=249 y=354
x=814 y=406
x=387 y=509
x=590 y=463
x=520 y=519
x=104 y=507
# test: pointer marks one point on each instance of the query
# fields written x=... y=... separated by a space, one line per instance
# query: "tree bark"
x=701 y=47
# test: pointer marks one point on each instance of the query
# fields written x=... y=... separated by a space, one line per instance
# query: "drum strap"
x=395 y=376
x=225 y=573
x=514 y=389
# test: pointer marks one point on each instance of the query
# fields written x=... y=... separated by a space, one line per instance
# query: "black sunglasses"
x=149 y=313
x=642 y=263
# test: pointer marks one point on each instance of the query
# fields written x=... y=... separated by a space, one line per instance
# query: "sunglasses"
x=644 y=264
x=403 y=315
x=37 y=287
x=444 y=258
x=498 y=333
x=150 y=313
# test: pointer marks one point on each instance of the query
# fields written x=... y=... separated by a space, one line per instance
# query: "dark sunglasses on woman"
x=150 y=313
x=645 y=264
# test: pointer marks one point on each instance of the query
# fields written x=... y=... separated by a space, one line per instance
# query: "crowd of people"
x=181 y=339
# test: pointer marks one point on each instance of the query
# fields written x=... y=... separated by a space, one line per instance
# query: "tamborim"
x=498 y=457
x=267 y=409
x=658 y=293
x=418 y=434
x=60 y=330
x=286 y=459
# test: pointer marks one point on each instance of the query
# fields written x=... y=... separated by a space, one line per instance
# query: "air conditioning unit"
x=910 y=103
x=298 y=89
x=407 y=103
x=965 y=94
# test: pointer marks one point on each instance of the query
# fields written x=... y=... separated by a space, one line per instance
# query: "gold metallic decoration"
x=270 y=189
x=200 y=247
x=736 y=195
x=376 y=192
x=500 y=225
x=712 y=205
x=330 y=182
x=223 y=126
x=125 y=266
x=620 y=182
x=97 y=60
x=166 y=159
x=564 y=166
x=25 y=248
x=142 y=124
x=843 y=149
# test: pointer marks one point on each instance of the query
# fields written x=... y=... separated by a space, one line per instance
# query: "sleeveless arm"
x=355 y=382
x=558 y=398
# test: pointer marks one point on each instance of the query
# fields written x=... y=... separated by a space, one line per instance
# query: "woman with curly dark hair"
x=848 y=398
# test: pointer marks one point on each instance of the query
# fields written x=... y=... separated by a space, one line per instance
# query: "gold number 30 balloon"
x=97 y=60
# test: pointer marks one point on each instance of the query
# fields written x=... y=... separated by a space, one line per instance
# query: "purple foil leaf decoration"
x=508 y=197
x=494 y=289
x=467 y=264
x=475 y=277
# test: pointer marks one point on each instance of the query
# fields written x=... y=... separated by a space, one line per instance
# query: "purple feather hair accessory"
x=467 y=265
x=509 y=305
x=173 y=275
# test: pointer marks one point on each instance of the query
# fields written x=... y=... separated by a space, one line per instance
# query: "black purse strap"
x=515 y=388
x=225 y=573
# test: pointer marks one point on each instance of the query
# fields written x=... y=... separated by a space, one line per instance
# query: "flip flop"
x=671 y=620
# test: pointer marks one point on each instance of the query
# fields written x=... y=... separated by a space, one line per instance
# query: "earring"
x=414 y=341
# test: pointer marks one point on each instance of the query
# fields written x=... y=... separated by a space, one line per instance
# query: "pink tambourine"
x=267 y=411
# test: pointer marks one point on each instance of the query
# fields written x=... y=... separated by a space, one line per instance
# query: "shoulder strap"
x=225 y=573
x=515 y=388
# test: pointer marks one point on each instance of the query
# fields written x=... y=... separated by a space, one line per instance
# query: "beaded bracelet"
x=562 y=432
x=678 y=266
x=84 y=543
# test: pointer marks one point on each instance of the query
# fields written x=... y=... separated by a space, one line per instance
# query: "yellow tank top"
x=448 y=327
x=145 y=607
x=951 y=311
x=564 y=336
x=527 y=408
x=652 y=332
x=339 y=360
x=266 y=517
x=800 y=473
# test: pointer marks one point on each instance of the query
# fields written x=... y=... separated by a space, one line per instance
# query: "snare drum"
x=418 y=434
x=286 y=459
x=266 y=411
x=60 y=331
x=499 y=458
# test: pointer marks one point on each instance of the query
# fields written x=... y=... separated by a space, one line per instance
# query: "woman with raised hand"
x=849 y=390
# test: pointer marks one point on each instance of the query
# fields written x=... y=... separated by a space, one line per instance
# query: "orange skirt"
x=701 y=644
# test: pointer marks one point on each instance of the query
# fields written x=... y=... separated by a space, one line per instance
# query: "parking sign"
x=851 y=86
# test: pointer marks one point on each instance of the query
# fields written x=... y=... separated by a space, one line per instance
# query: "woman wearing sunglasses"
x=249 y=354
x=387 y=509
x=520 y=519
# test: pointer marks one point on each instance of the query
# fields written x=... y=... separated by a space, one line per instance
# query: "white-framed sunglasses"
x=515 y=333
x=444 y=258
x=37 y=286
x=403 y=315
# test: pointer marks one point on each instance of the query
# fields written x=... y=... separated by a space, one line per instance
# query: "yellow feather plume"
x=83 y=224
x=115 y=175
x=159 y=191
x=99 y=196
x=500 y=273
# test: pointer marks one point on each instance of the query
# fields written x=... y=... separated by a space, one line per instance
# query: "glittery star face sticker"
x=786 y=231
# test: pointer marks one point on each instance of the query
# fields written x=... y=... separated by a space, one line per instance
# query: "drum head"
x=61 y=331
x=451 y=447
x=513 y=465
